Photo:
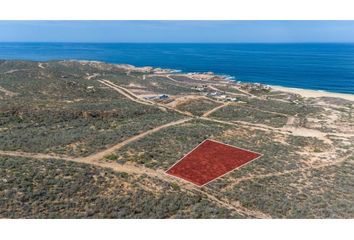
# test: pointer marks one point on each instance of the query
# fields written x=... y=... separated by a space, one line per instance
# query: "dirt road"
x=40 y=65
x=102 y=154
x=124 y=93
x=135 y=98
x=35 y=155
x=7 y=92
x=215 y=109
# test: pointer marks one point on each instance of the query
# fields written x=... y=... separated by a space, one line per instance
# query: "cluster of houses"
x=218 y=95
x=255 y=87
x=200 y=88
x=222 y=97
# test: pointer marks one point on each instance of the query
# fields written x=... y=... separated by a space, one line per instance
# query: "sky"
x=177 y=31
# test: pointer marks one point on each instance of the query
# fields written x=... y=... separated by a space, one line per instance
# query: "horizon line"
x=251 y=42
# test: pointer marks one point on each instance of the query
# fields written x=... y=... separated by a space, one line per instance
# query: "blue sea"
x=327 y=67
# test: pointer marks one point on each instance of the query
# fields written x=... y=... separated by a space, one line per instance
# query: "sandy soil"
x=7 y=92
x=185 y=99
x=40 y=65
x=89 y=77
x=313 y=93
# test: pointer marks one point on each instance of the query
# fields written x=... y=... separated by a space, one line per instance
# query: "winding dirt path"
x=233 y=205
x=7 y=92
x=15 y=70
x=118 y=89
x=35 y=155
x=179 y=83
x=140 y=170
x=97 y=159
x=89 y=77
x=215 y=109
x=232 y=93
x=40 y=65
x=168 y=76
x=260 y=110
x=175 y=82
x=102 y=154
x=286 y=172
x=136 y=99
x=287 y=130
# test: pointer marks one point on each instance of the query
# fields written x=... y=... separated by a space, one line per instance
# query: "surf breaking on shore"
x=307 y=93
x=314 y=93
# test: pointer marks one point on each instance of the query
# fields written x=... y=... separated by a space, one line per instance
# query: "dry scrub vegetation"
x=62 y=110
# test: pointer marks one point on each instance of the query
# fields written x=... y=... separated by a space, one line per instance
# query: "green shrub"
x=111 y=157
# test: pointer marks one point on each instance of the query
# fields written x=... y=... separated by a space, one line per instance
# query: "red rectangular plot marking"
x=210 y=160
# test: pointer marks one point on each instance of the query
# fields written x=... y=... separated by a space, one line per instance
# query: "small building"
x=222 y=97
x=214 y=94
x=231 y=99
x=163 y=97
x=200 y=88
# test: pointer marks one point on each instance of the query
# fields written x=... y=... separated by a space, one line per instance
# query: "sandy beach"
x=314 y=93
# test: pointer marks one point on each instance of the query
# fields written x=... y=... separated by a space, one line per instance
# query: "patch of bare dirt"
x=185 y=100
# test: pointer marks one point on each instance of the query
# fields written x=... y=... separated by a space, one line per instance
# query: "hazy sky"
x=177 y=31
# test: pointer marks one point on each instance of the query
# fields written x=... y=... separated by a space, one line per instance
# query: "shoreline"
x=309 y=93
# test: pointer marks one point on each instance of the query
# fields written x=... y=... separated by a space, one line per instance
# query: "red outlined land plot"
x=209 y=161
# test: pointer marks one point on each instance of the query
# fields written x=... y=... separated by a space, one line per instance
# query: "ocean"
x=326 y=67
